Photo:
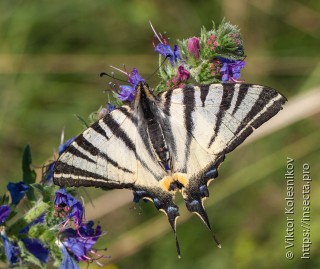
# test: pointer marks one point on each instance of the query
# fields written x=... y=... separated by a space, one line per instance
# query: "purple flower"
x=67 y=261
x=164 y=48
x=166 y=51
x=17 y=191
x=230 y=69
x=127 y=93
x=64 y=146
x=66 y=203
x=36 y=248
x=135 y=78
x=11 y=250
x=5 y=211
x=48 y=173
x=183 y=74
x=111 y=107
x=194 y=47
x=80 y=242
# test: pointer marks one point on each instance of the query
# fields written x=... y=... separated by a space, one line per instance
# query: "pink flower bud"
x=194 y=47
x=183 y=74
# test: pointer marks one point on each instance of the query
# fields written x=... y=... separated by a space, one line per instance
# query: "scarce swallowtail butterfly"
x=176 y=141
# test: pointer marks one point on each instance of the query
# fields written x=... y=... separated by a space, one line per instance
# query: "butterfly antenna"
x=158 y=68
x=196 y=207
x=112 y=76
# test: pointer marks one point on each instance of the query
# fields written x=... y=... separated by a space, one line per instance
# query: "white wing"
x=205 y=123
x=209 y=121
x=112 y=153
x=199 y=124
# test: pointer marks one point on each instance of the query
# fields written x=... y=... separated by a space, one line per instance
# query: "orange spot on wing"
x=182 y=178
x=165 y=182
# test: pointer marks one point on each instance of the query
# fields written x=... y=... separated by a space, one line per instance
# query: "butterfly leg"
x=163 y=201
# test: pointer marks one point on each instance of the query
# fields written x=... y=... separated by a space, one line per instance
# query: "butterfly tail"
x=196 y=206
x=173 y=214
x=163 y=201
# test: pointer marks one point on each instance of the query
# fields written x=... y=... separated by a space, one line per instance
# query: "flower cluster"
x=215 y=56
x=54 y=226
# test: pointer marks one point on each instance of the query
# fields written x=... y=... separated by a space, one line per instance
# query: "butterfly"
x=175 y=141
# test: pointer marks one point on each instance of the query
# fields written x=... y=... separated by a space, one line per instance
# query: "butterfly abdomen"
x=154 y=130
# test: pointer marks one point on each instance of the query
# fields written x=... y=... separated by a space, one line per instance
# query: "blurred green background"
x=51 y=54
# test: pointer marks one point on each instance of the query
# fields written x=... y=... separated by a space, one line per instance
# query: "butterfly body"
x=158 y=145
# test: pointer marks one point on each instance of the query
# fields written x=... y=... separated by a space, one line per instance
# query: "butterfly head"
x=143 y=93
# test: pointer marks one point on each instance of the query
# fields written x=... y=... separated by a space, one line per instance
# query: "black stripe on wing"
x=96 y=126
x=228 y=91
x=87 y=146
x=74 y=151
x=166 y=124
x=141 y=127
x=70 y=176
x=167 y=102
x=204 y=90
x=122 y=135
x=244 y=130
x=189 y=105
x=243 y=90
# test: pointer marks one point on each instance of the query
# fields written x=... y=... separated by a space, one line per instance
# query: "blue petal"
x=135 y=78
x=224 y=68
x=225 y=77
x=76 y=213
x=164 y=50
x=62 y=198
x=127 y=93
x=75 y=246
x=111 y=107
x=80 y=242
x=225 y=60
x=5 y=211
x=64 y=146
x=10 y=250
x=176 y=52
x=48 y=175
x=17 y=191
x=36 y=248
x=236 y=75
x=67 y=261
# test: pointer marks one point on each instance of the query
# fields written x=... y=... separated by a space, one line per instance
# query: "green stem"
x=34 y=213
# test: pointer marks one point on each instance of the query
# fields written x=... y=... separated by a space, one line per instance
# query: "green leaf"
x=56 y=254
x=4 y=200
x=37 y=210
x=28 y=174
x=47 y=192
x=83 y=122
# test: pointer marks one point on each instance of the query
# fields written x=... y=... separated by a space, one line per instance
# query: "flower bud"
x=183 y=74
x=194 y=47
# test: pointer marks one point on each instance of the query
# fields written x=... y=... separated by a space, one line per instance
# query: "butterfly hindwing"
x=208 y=122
